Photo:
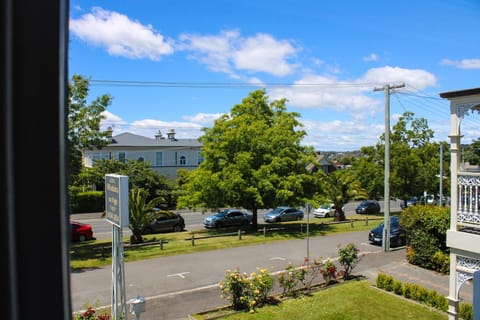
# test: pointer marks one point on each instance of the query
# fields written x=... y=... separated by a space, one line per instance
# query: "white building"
x=463 y=237
x=166 y=155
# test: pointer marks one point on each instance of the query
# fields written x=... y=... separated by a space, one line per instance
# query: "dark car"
x=368 y=207
x=165 y=221
x=81 y=231
x=398 y=235
x=281 y=214
x=228 y=217
x=409 y=202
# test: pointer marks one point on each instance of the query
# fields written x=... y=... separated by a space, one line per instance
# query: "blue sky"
x=176 y=64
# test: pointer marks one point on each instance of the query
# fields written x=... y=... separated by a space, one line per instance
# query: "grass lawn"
x=97 y=253
x=351 y=300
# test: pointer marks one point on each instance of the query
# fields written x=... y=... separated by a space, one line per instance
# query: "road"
x=173 y=275
x=193 y=219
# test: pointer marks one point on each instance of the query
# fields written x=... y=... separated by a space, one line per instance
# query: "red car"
x=81 y=231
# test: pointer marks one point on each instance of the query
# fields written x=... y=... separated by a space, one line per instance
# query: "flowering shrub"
x=329 y=271
x=311 y=270
x=91 y=314
x=290 y=278
x=244 y=291
x=234 y=288
x=348 y=258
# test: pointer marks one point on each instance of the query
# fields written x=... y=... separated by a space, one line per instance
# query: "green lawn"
x=351 y=300
x=97 y=253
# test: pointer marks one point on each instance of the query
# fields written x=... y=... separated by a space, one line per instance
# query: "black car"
x=165 y=221
x=368 y=207
x=398 y=235
x=228 y=217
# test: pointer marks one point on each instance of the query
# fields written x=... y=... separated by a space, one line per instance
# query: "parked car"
x=409 y=202
x=81 y=231
x=165 y=221
x=281 y=214
x=228 y=217
x=398 y=235
x=368 y=207
x=325 y=211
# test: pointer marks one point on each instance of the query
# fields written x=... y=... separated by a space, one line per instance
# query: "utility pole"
x=386 y=196
x=440 y=194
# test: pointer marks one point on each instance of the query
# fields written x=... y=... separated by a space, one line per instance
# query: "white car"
x=325 y=211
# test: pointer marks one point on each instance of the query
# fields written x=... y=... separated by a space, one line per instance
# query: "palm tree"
x=340 y=187
x=141 y=213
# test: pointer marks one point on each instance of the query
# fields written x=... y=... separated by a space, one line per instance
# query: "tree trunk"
x=339 y=215
x=136 y=238
x=254 y=218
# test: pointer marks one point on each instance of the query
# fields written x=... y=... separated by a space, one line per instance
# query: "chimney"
x=171 y=134
x=109 y=133
x=159 y=136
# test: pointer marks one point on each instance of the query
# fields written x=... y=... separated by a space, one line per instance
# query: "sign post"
x=116 y=212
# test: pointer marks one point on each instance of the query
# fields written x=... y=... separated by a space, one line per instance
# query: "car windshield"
x=277 y=210
x=324 y=206
x=220 y=214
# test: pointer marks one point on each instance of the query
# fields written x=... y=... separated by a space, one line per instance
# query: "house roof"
x=460 y=93
x=127 y=139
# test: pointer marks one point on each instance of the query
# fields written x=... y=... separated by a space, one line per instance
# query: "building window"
x=199 y=158
x=159 y=158
x=140 y=159
x=183 y=160
x=121 y=157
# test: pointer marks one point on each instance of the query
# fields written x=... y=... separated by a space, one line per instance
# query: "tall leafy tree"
x=339 y=187
x=252 y=159
x=84 y=121
x=472 y=153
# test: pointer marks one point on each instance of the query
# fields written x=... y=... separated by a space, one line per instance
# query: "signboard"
x=116 y=199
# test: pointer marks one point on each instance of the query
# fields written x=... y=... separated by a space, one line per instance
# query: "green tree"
x=84 y=122
x=140 y=175
x=472 y=153
x=339 y=187
x=141 y=213
x=252 y=159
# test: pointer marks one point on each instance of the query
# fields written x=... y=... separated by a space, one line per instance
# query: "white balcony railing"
x=468 y=212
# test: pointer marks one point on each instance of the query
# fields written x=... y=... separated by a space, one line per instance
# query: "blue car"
x=281 y=214
x=227 y=218
x=398 y=236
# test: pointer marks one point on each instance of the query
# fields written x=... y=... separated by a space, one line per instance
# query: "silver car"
x=281 y=214
x=228 y=217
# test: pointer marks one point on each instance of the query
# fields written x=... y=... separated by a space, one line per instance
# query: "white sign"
x=116 y=199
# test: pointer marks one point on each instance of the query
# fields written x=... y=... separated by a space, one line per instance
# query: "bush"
x=89 y=201
x=426 y=230
x=329 y=271
x=415 y=292
x=348 y=258
x=397 y=287
x=289 y=279
x=466 y=311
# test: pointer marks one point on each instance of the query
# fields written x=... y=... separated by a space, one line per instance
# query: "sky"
x=179 y=65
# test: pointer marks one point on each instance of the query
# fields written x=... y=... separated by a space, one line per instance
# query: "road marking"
x=278 y=258
x=181 y=275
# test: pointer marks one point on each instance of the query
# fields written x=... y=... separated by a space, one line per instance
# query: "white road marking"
x=181 y=275
x=278 y=258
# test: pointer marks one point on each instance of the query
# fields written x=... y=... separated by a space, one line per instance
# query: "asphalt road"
x=175 y=275
x=193 y=219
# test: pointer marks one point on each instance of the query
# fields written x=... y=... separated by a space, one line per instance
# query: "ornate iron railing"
x=468 y=213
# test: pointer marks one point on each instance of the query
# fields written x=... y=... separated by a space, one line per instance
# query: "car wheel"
x=327 y=215
x=177 y=228
x=82 y=238
x=278 y=220
x=219 y=225
x=299 y=218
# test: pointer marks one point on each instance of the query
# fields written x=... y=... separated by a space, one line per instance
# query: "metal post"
x=440 y=201
x=386 y=223
x=308 y=207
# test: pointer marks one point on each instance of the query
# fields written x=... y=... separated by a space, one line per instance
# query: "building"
x=166 y=155
x=463 y=237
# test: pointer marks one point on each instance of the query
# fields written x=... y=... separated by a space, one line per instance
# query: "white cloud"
x=322 y=92
x=120 y=36
x=416 y=79
x=203 y=118
x=371 y=57
x=229 y=51
x=265 y=54
x=463 y=64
